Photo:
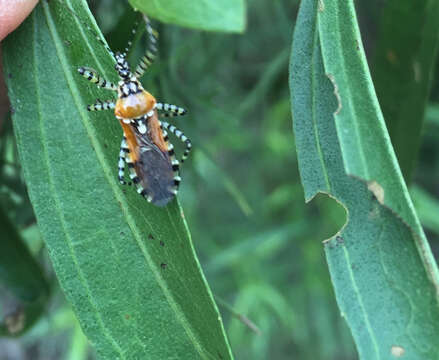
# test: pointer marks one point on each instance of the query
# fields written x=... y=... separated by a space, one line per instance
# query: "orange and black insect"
x=145 y=147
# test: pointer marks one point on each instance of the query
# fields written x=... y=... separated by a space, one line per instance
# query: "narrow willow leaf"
x=23 y=288
x=128 y=268
x=381 y=266
x=218 y=15
x=408 y=41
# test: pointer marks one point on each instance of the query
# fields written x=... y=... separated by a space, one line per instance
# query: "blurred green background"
x=258 y=242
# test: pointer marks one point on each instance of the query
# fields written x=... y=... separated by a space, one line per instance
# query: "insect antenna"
x=134 y=32
x=149 y=56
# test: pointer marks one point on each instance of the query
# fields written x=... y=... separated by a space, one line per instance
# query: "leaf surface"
x=128 y=268
x=382 y=269
x=218 y=15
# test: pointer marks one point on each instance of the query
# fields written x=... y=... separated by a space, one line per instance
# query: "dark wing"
x=154 y=169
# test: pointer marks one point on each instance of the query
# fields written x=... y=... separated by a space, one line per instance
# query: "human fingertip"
x=12 y=14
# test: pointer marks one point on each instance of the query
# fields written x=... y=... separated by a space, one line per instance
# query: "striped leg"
x=95 y=78
x=135 y=179
x=179 y=134
x=151 y=53
x=133 y=176
x=171 y=110
x=101 y=105
x=122 y=160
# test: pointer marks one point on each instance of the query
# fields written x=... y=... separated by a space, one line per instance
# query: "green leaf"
x=218 y=15
x=24 y=288
x=128 y=268
x=382 y=269
x=403 y=67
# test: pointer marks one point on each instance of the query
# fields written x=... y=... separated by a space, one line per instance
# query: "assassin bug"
x=145 y=147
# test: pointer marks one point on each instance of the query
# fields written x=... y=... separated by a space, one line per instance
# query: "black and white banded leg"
x=136 y=181
x=102 y=105
x=179 y=134
x=170 y=110
x=122 y=160
x=175 y=163
x=151 y=53
x=92 y=76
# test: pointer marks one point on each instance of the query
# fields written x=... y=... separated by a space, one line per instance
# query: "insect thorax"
x=133 y=101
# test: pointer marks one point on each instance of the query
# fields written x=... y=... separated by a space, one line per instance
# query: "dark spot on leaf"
x=10 y=76
x=328 y=244
x=150 y=237
x=162 y=243
x=12 y=110
x=340 y=240
x=219 y=355
x=127 y=316
x=105 y=145
x=163 y=266
x=122 y=233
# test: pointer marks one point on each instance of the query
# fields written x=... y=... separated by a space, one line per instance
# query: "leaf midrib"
x=56 y=198
x=111 y=180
